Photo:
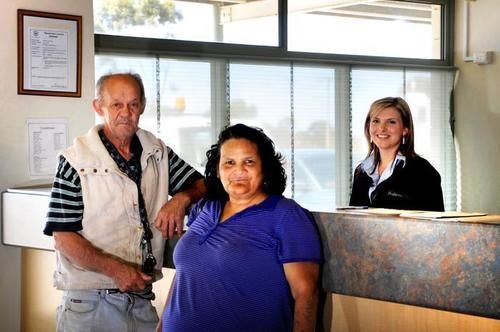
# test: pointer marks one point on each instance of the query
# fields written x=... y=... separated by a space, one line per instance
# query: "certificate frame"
x=49 y=52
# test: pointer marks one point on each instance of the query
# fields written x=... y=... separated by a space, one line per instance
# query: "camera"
x=148 y=266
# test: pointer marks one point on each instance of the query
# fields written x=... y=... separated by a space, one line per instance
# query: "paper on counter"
x=440 y=215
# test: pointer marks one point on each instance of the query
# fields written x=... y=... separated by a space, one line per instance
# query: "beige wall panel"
x=354 y=314
x=477 y=107
x=39 y=298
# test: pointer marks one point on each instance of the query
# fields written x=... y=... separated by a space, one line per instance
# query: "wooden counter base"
x=355 y=314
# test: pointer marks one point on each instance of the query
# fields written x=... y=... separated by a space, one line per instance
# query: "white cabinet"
x=23 y=217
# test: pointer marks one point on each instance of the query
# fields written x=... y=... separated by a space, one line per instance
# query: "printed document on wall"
x=46 y=138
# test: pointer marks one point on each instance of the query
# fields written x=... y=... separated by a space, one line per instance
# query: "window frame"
x=140 y=45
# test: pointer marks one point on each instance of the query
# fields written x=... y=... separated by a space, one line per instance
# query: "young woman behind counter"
x=393 y=175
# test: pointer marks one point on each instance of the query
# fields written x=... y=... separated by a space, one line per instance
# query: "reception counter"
x=451 y=264
x=382 y=271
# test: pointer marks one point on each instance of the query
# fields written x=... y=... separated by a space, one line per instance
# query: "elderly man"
x=109 y=214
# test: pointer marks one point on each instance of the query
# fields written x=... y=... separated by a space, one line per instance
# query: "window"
x=230 y=21
x=304 y=108
x=310 y=94
x=375 y=28
x=185 y=108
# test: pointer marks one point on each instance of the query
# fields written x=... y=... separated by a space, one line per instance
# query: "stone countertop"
x=437 y=263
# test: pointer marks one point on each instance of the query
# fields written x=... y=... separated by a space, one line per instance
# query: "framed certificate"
x=49 y=51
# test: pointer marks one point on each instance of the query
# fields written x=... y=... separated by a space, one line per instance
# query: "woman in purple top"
x=250 y=258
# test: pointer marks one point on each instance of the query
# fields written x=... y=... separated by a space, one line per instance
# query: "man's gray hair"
x=99 y=87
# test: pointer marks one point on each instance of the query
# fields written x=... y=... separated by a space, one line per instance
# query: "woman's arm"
x=303 y=280
x=436 y=192
x=427 y=182
x=360 y=185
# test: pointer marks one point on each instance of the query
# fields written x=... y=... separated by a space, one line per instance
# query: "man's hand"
x=170 y=219
x=83 y=254
x=128 y=278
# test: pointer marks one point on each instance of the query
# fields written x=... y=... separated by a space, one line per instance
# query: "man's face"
x=120 y=107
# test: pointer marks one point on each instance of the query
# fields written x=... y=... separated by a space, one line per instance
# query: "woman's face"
x=387 y=130
x=240 y=169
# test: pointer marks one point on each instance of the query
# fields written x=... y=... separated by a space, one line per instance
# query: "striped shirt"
x=66 y=202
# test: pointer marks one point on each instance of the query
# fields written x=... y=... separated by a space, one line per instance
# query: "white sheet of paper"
x=50 y=54
x=50 y=63
x=46 y=138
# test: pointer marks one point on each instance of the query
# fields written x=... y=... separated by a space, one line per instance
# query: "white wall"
x=477 y=107
x=15 y=109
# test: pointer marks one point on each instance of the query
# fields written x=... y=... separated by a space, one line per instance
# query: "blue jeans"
x=101 y=310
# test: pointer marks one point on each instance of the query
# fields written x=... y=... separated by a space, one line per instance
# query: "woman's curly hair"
x=273 y=173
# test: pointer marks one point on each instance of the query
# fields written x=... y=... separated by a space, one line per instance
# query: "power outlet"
x=482 y=58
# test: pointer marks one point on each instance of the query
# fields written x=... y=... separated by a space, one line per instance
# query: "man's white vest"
x=111 y=220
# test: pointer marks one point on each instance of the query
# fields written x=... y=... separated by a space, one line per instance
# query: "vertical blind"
x=313 y=112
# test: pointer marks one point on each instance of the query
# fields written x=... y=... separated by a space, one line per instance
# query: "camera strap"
x=132 y=168
x=148 y=260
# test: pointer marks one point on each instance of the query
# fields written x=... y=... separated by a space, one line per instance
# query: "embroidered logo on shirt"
x=395 y=194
